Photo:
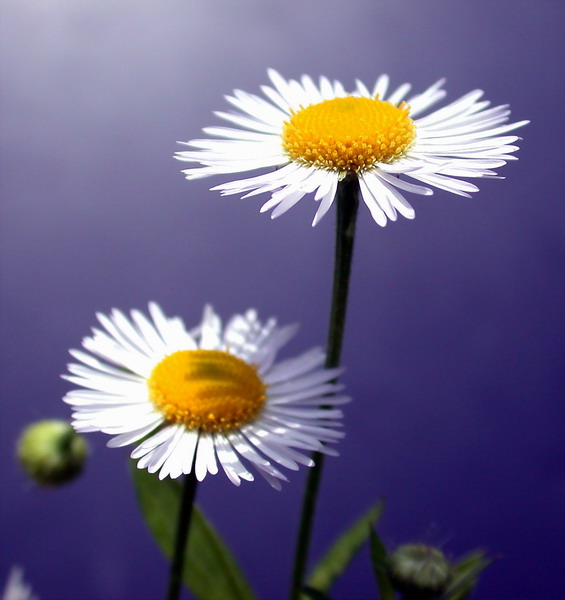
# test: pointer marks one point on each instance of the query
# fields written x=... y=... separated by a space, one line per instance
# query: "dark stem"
x=347 y=203
x=183 y=527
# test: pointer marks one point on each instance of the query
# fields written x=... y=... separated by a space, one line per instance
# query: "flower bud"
x=419 y=572
x=51 y=452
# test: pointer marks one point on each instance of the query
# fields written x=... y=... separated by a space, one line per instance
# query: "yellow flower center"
x=348 y=134
x=207 y=390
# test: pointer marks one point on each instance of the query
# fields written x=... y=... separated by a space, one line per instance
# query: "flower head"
x=319 y=134
x=216 y=394
x=16 y=588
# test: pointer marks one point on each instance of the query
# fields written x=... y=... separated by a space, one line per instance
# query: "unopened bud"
x=419 y=572
x=51 y=452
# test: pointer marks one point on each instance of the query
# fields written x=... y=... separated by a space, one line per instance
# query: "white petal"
x=205 y=457
x=288 y=202
x=381 y=195
x=376 y=211
x=327 y=201
x=381 y=86
x=154 y=441
x=172 y=460
x=311 y=89
x=295 y=366
x=256 y=438
x=311 y=392
x=211 y=330
x=93 y=362
x=248 y=123
x=128 y=438
x=230 y=463
x=399 y=93
x=404 y=185
x=187 y=448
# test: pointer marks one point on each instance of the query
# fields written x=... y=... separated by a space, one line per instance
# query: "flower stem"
x=347 y=203
x=183 y=527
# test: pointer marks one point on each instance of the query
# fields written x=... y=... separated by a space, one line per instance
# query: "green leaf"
x=378 y=558
x=210 y=570
x=465 y=575
x=341 y=553
x=314 y=594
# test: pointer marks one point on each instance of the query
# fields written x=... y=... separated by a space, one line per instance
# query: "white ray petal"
x=284 y=89
x=326 y=89
x=234 y=134
x=211 y=330
x=205 y=457
x=399 y=93
x=248 y=123
x=381 y=87
x=317 y=391
x=103 y=367
x=170 y=458
x=295 y=366
x=327 y=200
x=256 y=438
x=229 y=461
x=362 y=89
x=405 y=185
x=311 y=89
x=186 y=449
x=128 y=438
x=369 y=198
x=154 y=441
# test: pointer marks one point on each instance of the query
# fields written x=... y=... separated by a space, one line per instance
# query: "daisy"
x=16 y=587
x=214 y=393
x=319 y=134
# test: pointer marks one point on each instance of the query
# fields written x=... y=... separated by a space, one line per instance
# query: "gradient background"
x=455 y=327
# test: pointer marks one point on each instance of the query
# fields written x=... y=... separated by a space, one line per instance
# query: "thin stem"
x=347 y=203
x=183 y=527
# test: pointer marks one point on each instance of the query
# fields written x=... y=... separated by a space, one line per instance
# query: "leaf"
x=378 y=558
x=341 y=553
x=210 y=570
x=465 y=575
x=314 y=594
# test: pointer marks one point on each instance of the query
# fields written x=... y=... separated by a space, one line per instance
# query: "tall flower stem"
x=347 y=199
x=183 y=528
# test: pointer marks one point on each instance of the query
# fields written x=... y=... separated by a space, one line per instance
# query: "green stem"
x=347 y=203
x=183 y=527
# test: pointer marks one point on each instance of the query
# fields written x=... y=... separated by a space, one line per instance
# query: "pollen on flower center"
x=207 y=390
x=348 y=134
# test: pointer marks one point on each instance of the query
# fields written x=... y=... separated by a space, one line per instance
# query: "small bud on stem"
x=419 y=572
x=51 y=452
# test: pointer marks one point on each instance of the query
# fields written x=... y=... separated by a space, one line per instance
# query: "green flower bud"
x=51 y=452
x=419 y=572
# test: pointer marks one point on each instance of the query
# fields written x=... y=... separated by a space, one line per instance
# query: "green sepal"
x=465 y=574
x=210 y=570
x=342 y=551
x=379 y=559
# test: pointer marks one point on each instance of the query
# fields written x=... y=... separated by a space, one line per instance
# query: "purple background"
x=455 y=327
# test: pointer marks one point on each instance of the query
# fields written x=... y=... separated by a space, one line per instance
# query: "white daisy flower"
x=214 y=391
x=16 y=587
x=319 y=134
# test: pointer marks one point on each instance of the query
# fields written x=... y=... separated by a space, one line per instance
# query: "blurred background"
x=455 y=327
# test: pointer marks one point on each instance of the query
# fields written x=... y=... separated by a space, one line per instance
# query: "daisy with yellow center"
x=320 y=134
x=216 y=392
